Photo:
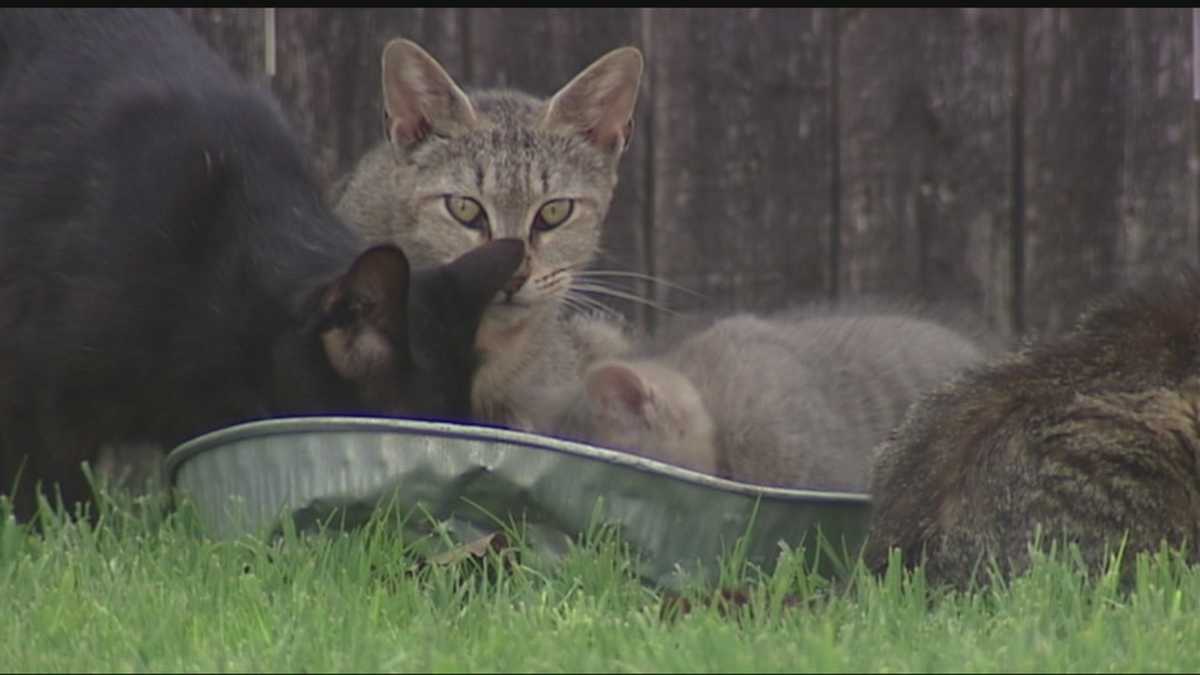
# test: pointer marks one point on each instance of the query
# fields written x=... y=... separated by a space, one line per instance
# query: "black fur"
x=168 y=267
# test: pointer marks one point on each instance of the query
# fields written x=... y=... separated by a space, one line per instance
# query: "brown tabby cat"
x=459 y=169
x=1093 y=436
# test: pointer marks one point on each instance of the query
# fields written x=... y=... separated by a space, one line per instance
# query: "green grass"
x=142 y=592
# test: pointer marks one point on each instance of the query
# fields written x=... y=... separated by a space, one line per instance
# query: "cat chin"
x=503 y=312
x=512 y=310
x=501 y=329
x=506 y=321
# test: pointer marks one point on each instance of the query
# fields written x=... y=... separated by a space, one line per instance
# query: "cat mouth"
x=506 y=301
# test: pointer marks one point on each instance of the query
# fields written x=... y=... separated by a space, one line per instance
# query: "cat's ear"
x=364 y=316
x=600 y=101
x=420 y=97
x=479 y=274
x=619 y=386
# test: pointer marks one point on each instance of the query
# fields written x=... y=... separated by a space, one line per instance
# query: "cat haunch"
x=1089 y=438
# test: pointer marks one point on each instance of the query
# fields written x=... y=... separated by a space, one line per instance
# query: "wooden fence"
x=1021 y=161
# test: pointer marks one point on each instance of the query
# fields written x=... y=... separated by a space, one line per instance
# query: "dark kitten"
x=1092 y=436
x=167 y=266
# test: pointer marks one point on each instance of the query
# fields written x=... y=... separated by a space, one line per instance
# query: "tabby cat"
x=1091 y=436
x=459 y=170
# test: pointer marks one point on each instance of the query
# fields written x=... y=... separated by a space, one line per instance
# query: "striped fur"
x=512 y=153
x=1090 y=437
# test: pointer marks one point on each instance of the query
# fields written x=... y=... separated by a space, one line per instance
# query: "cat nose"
x=518 y=280
x=519 y=277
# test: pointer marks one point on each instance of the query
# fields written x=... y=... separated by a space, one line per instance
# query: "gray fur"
x=793 y=401
x=512 y=153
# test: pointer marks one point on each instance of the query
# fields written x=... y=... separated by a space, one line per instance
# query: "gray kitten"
x=796 y=402
x=458 y=171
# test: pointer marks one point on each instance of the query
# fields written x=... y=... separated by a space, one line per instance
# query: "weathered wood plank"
x=1158 y=198
x=925 y=118
x=728 y=186
x=327 y=66
x=539 y=51
x=1110 y=171
x=1074 y=164
x=234 y=32
x=328 y=75
x=1073 y=129
x=741 y=154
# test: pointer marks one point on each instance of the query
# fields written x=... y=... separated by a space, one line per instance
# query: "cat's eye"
x=553 y=213
x=466 y=211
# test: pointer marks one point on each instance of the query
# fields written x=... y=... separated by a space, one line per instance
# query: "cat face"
x=502 y=164
x=643 y=408
x=404 y=341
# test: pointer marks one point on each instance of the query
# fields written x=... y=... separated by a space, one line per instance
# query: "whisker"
x=600 y=283
x=585 y=303
x=612 y=292
x=580 y=269
x=595 y=303
x=588 y=274
x=574 y=303
x=601 y=313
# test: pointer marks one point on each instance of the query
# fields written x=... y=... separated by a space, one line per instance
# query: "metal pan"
x=455 y=483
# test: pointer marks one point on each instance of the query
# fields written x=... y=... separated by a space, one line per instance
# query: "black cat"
x=168 y=267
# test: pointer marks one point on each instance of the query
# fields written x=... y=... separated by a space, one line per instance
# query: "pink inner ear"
x=605 y=112
x=599 y=102
x=407 y=120
x=419 y=95
x=408 y=128
x=617 y=384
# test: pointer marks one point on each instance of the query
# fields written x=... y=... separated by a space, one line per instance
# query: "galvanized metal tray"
x=457 y=483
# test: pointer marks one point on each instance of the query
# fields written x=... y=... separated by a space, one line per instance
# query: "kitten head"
x=502 y=164
x=397 y=343
x=644 y=408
